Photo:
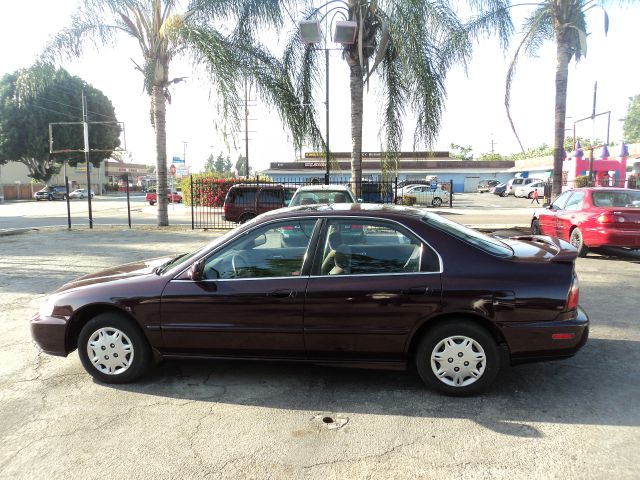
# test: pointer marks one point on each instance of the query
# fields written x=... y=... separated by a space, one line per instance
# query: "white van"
x=519 y=182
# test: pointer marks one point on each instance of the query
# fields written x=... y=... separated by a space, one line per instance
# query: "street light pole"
x=326 y=58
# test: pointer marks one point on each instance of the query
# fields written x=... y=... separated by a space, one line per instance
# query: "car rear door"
x=382 y=286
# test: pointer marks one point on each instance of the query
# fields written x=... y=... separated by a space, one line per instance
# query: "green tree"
x=163 y=32
x=241 y=166
x=565 y=23
x=209 y=164
x=222 y=165
x=460 y=152
x=410 y=46
x=490 y=156
x=631 y=126
x=27 y=107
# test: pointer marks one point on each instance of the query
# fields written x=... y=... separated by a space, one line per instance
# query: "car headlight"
x=46 y=309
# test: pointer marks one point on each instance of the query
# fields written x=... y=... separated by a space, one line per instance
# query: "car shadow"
x=589 y=388
x=616 y=254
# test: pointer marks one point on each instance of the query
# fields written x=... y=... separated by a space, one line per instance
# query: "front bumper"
x=49 y=333
x=532 y=341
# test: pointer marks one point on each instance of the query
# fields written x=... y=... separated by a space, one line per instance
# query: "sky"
x=475 y=113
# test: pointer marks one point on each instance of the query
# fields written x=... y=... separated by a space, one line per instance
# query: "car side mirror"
x=195 y=271
x=360 y=200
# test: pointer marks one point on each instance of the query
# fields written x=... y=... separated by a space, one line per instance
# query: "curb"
x=16 y=231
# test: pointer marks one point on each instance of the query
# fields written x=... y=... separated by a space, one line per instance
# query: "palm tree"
x=162 y=33
x=562 y=21
x=410 y=46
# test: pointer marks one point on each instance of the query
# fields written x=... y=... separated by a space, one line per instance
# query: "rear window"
x=242 y=196
x=630 y=199
x=468 y=235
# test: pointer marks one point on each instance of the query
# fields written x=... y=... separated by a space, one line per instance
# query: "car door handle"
x=416 y=291
x=283 y=294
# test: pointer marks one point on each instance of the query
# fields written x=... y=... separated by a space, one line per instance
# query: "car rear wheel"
x=504 y=194
x=458 y=358
x=577 y=241
x=50 y=197
x=535 y=227
x=530 y=196
x=152 y=203
x=112 y=349
x=436 y=202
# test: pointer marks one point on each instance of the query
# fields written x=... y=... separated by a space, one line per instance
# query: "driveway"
x=578 y=418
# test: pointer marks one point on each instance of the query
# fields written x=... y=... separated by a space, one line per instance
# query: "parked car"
x=327 y=194
x=51 y=192
x=527 y=190
x=245 y=201
x=172 y=196
x=420 y=290
x=425 y=195
x=487 y=185
x=592 y=217
x=517 y=182
x=500 y=189
x=80 y=193
x=376 y=192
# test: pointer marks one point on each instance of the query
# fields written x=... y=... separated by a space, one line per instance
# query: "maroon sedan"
x=411 y=287
x=592 y=217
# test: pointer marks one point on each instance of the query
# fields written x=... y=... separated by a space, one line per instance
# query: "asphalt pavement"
x=576 y=419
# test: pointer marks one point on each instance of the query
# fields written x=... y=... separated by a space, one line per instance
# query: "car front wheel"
x=576 y=240
x=458 y=358
x=436 y=202
x=535 y=227
x=113 y=349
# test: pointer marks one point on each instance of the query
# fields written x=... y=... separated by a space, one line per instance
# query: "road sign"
x=178 y=160
x=172 y=169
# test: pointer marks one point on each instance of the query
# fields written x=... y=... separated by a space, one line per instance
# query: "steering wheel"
x=238 y=263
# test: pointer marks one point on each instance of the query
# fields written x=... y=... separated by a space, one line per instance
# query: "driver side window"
x=275 y=250
x=559 y=202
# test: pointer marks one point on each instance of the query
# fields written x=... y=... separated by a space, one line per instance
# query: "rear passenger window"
x=244 y=197
x=374 y=248
x=270 y=197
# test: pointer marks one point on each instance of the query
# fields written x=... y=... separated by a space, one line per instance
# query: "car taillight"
x=574 y=294
x=610 y=218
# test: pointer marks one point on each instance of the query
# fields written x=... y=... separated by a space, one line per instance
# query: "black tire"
x=504 y=194
x=530 y=196
x=576 y=240
x=246 y=217
x=458 y=330
x=436 y=202
x=535 y=227
x=132 y=339
x=152 y=203
x=50 y=197
x=64 y=197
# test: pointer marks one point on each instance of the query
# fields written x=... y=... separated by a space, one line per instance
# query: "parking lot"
x=578 y=418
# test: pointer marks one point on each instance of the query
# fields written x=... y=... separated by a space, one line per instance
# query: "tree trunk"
x=562 y=76
x=356 y=125
x=159 y=122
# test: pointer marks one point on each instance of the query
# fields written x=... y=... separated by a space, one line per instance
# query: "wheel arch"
x=433 y=322
x=81 y=317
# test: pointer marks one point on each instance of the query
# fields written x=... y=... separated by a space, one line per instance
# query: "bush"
x=409 y=200
x=581 y=181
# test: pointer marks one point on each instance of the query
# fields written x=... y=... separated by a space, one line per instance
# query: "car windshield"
x=473 y=237
x=613 y=198
x=308 y=197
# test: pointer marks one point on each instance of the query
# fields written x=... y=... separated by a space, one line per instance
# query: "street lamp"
x=311 y=34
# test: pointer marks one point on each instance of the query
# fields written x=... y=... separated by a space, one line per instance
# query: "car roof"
x=321 y=187
x=347 y=209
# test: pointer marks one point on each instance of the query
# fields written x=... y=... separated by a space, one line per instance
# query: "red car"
x=173 y=197
x=591 y=218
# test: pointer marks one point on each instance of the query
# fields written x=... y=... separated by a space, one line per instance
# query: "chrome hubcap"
x=458 y=361
x=110 y=351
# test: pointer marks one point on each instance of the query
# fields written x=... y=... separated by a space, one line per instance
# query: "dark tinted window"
x=271 y=197
x=243 y=196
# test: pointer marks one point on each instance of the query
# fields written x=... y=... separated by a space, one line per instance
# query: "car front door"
x=547 y=217
x=248 y=300
x=566 y=218
x=368 y=293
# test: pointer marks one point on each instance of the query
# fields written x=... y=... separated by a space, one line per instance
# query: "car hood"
x=118 y=273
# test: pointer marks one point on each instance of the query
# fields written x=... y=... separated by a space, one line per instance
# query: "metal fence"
x=225 y=203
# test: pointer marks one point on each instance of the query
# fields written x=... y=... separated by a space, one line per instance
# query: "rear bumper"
x=529 y=342
x=612 y=237
x=49 y=333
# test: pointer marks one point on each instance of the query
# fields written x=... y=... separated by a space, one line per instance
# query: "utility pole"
x=85 y=128
x=493 y=143
x=326 y=61
x=593 y=131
